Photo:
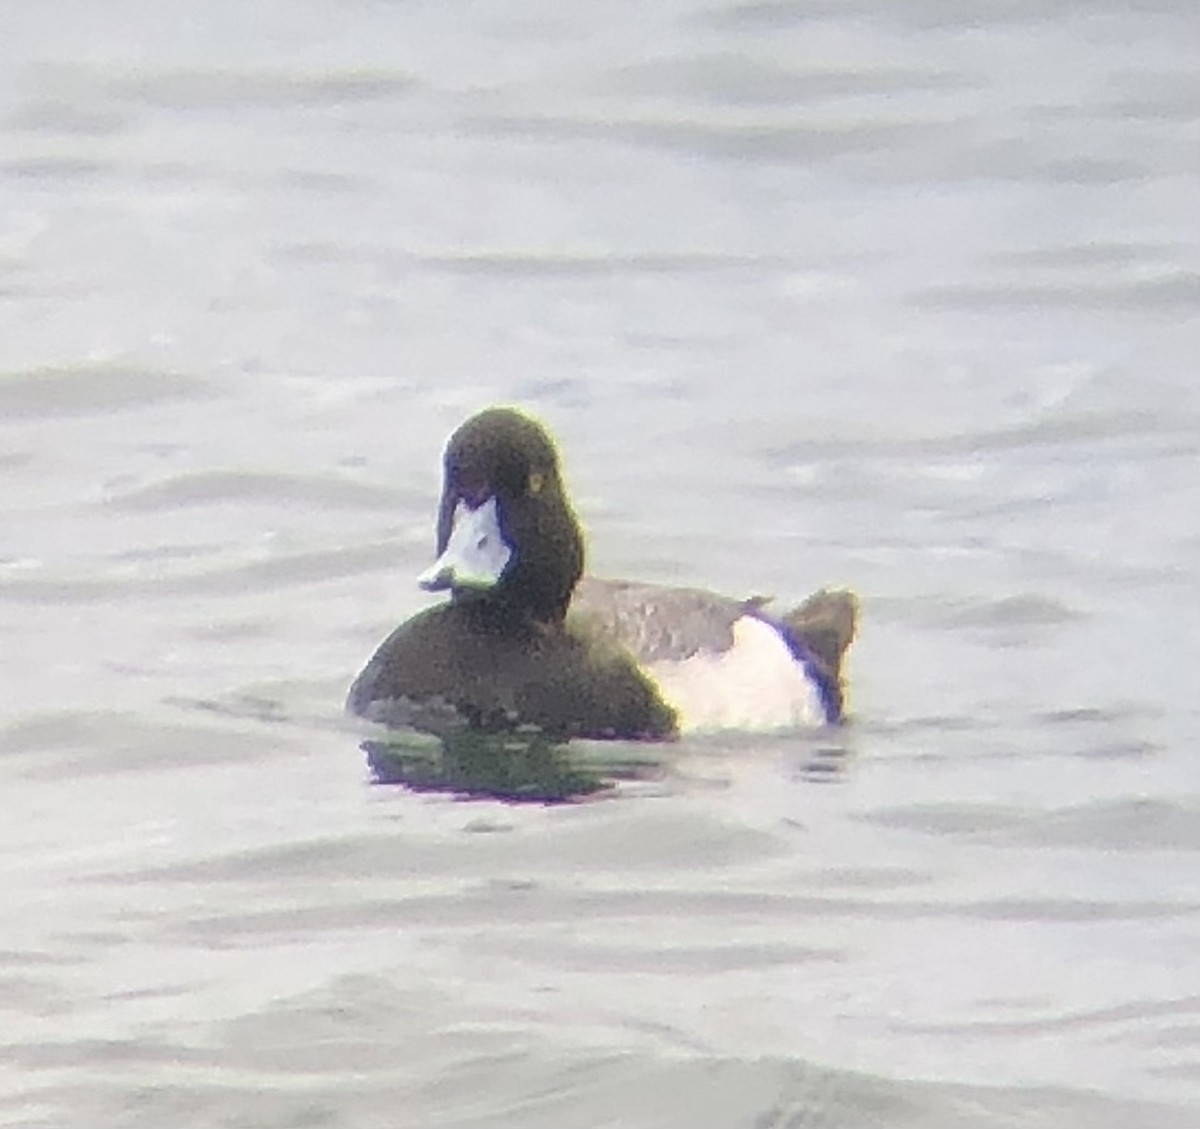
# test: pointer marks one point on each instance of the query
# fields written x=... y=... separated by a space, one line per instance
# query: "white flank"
x=756 y=684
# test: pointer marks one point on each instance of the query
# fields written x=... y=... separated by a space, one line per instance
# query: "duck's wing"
x=656 y=623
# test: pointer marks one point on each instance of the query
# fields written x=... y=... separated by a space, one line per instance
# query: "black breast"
x=453 y=665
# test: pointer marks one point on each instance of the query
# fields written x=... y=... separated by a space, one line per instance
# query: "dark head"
x=505 y=532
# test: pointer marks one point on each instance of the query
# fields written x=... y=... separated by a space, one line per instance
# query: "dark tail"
x=826 y=623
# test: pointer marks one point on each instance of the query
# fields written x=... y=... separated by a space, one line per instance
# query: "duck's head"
x=506 y=533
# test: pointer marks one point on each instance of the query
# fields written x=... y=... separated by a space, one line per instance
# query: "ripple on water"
x=84 y=390
x=132 y=582
x=181 y=88
x=261 y=487
x=71 y=744
x=1136 y=824
x=355 y=1049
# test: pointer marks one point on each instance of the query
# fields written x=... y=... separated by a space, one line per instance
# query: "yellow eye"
x=536 y=482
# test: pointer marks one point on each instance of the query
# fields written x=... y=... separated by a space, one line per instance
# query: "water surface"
x=903 y=299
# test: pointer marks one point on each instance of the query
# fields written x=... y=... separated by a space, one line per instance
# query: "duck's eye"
x=482 y=542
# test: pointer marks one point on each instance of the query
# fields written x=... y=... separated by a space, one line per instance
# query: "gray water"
x=902 y=297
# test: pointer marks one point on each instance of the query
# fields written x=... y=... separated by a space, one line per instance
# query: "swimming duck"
x=526 y=640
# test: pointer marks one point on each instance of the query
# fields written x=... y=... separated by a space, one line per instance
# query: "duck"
x=526 y=640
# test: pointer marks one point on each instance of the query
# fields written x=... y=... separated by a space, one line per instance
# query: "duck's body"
x=725 y=663
x=454 y=665
x=526 y=640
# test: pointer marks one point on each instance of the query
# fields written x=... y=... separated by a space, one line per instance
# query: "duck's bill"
x=476 y=553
